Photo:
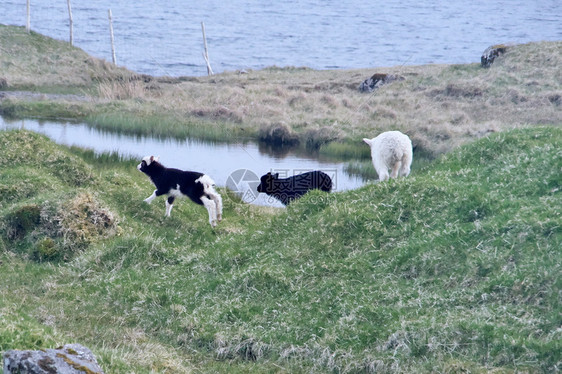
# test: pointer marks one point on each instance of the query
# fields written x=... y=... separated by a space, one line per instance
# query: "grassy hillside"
x=453 y=269
x=37 y=62
x=439 y=106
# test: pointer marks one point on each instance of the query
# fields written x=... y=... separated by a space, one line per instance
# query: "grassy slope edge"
x=453 y=269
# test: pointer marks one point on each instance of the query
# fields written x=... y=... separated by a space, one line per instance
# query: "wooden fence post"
x=28 y=20
x=111 y=35
x=206 y=53
x=71 y=22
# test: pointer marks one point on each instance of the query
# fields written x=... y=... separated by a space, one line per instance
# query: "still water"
x=236 y=166
x=165 y=37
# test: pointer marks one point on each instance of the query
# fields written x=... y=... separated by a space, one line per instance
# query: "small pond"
x=237 y=166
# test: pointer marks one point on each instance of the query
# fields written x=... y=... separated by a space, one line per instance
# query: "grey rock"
x=377 y=80
x=491 y=53
x=70 y=359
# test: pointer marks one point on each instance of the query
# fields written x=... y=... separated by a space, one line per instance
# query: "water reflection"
x=220 y=161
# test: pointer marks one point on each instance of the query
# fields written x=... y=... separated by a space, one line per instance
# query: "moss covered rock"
x=491 y=53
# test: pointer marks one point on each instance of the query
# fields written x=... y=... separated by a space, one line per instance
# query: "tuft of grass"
x=345 y=150
x=22 y=221
x=104 y=159
x=44 y=210
x=46 y=109
x=278 y=134
x=153 y=124
x=26 y=150
x=121 y=90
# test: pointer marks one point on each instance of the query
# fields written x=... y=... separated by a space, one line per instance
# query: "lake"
x=165 y=38
x=237 y=166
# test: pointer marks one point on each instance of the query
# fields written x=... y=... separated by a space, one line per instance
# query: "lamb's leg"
x=218 y=202
x=405 y=169
x=395 y=169
x=149 y=199
x=383 y=174
x=211 y=208
x=381 y=169
x=169 y=205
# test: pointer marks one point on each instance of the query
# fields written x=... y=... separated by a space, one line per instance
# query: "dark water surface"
x=165 y=38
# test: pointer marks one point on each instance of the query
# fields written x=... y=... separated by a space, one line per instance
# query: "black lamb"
x=289 y=189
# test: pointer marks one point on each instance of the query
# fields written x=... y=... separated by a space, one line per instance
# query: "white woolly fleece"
x=391 y=150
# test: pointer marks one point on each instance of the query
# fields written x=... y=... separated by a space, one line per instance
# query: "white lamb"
x=391 y=150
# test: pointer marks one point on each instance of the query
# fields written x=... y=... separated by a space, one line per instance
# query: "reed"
x=346 y=150
x=152 y=124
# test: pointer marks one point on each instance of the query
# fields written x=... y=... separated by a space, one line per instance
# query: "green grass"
x=348 y=150
x=453 y=269
x=44 y=109
x=160 y=125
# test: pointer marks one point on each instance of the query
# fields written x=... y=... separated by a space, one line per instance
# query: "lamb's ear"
x=368 y=141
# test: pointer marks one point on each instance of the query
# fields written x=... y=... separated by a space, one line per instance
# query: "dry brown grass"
x=439 y=106
x=122 y=89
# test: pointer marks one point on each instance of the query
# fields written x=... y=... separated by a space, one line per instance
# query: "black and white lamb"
x=199 y=187
x=289 y=189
